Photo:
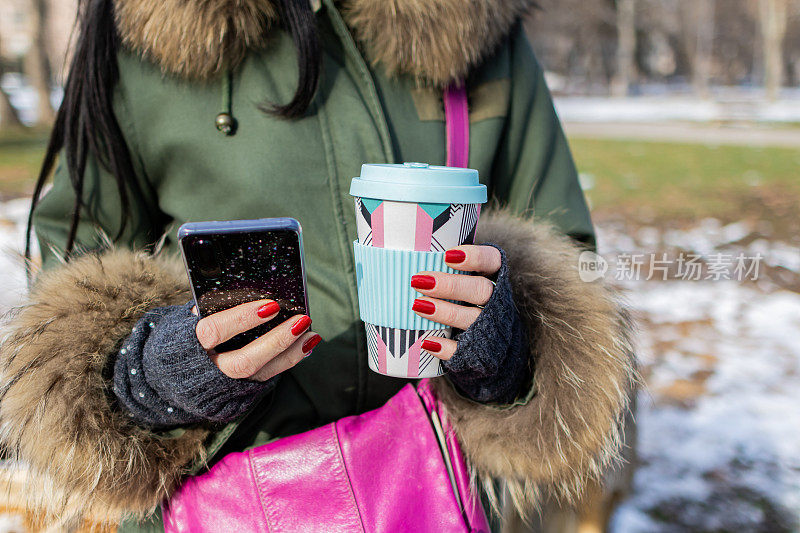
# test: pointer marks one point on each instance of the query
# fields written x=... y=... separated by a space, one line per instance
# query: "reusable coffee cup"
x=407 y=216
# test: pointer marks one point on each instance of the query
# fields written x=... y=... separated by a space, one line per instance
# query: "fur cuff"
x=584 y=370
x=55 y=407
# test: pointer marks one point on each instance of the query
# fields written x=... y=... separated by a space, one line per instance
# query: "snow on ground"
x=652 y=103
x=719 y=425
x=665 y=108
x=13 y=215
x=11 y=523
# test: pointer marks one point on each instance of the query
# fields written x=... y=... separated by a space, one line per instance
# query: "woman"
x=179 y=110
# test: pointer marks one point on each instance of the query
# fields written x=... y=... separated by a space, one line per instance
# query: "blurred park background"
x=684 y=120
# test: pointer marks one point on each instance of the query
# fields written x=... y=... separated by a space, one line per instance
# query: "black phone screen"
x=228 y=269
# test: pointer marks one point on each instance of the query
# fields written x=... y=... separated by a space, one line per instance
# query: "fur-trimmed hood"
x=435 y=41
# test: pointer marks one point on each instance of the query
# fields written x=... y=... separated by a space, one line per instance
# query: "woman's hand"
x=274 y=352
x=439 y=286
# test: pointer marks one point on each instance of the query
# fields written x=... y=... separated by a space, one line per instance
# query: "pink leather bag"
x=392 y=469
x=388 y=470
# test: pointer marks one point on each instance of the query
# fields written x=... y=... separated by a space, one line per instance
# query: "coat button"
x=225 y=123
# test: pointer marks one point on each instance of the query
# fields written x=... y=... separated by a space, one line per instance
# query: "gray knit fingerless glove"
x=163 y=377
x=491 y=362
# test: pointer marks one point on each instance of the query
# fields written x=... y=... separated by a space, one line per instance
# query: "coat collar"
x=435 y=41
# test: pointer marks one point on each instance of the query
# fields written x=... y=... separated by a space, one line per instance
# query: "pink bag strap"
x=456 y=115
x=468 y=501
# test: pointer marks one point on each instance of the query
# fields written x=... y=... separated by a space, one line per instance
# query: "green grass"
x=640 y=181
x=21 y=155
x=655 y=181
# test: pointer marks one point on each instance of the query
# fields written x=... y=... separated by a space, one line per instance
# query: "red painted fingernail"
x=310 y=343
x=301 y=325
x=423 y=306
x=268 y=309
x=454 y=256
x=421 y=281
x=431 y=346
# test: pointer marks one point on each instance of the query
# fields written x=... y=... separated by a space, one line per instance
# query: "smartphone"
x=238 y=261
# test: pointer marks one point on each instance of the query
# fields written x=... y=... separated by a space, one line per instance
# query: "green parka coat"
x=379 y=100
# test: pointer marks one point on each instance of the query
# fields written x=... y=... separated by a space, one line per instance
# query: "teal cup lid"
x=419 y=182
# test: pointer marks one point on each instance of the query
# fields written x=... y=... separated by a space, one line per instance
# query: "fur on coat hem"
x=56 y=414
x=570 y=432
x=435 y=41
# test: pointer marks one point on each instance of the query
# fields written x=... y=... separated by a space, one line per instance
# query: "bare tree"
x=37 y=63
x=590 y=43
x=575 y=38
x=8 y=115
x=703 y=12
x=626 y=47
x=773 y=30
